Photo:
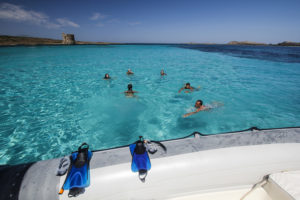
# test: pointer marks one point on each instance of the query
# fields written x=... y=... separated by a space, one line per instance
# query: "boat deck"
x=40 y=181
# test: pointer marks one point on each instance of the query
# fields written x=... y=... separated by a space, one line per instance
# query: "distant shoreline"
x=247 y=43
x=10 y=41
x=7 y=40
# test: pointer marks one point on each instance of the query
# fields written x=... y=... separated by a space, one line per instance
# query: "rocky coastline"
x=6 y=40
x=245 y=43
x=285 y=43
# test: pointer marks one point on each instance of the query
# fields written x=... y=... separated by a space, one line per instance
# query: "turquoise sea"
x=53 y=98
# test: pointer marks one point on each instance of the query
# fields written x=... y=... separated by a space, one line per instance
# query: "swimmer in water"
x=129 y=72
x=106 y=77
x=188 y=88
x=199 y=107
x=130 y=92
x=162 y=72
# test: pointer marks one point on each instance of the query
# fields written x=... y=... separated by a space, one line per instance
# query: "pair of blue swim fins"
x=140 y=157
x=78 y=176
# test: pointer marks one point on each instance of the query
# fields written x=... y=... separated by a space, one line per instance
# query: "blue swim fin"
x=79 y=173
x=139 y=161
x=78 y=177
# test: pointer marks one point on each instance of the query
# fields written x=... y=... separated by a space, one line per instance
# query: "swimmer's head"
x=162 y=72
x=106 y=76
x=198 y=103
x=129 y=86
x=187 y=85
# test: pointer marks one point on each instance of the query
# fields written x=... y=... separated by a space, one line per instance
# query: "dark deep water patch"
x=271 y=53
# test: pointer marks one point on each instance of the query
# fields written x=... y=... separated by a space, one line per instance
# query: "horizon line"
x=234 y=42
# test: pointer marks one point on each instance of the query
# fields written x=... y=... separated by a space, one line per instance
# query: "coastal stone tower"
x=68 y=38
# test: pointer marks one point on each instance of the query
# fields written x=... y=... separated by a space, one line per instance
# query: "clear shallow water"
x=53 y=98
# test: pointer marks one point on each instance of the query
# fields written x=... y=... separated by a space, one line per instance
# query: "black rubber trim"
x=11 y=177
x=205 y=135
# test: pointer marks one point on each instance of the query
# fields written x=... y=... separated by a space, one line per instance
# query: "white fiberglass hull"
x=212 y=171
x=204 y=167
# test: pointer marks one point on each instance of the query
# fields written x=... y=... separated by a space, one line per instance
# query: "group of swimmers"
x=188 y=88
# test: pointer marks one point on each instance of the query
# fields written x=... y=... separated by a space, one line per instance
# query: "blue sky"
x=161 y=21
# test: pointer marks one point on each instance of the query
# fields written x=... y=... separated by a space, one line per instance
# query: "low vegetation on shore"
x=285 y=43
x=245 y=43
x=6 y=40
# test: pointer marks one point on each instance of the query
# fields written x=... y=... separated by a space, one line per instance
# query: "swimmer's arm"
x=180 y=90
x=191 y=113
x=126 y=92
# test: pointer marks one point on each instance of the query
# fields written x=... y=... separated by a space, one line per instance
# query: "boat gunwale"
x=254 y=128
